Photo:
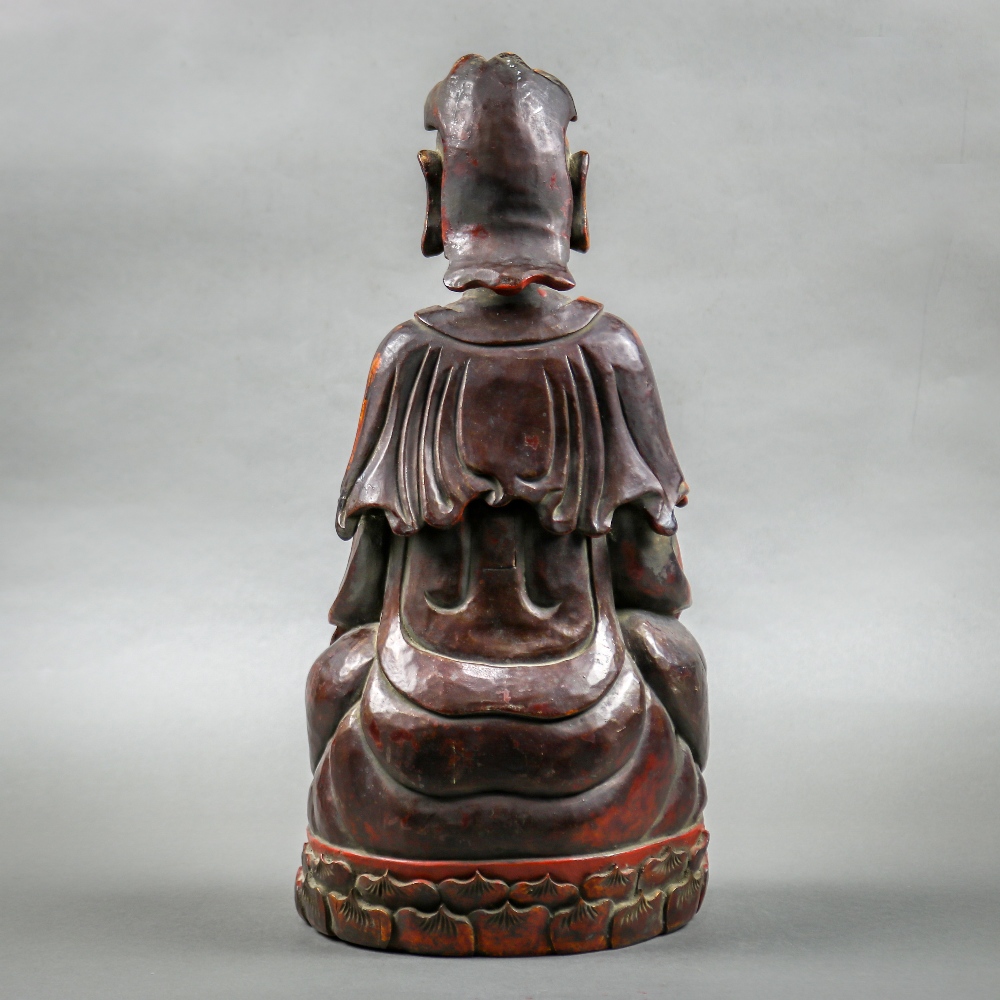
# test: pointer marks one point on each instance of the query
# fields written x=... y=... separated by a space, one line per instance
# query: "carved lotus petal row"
x=615 y=907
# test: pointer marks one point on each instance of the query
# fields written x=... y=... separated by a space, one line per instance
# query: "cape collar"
x=480 y=317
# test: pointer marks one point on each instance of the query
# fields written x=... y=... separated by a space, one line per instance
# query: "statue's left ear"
x=432 y=242
x=579 y=238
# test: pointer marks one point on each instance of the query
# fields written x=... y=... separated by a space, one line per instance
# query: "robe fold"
x=572 y=425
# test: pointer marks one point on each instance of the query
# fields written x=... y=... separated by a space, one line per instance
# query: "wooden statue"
x=508 y=730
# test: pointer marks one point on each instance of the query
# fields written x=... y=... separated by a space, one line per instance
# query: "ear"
x=432 y=242
x=579 y=238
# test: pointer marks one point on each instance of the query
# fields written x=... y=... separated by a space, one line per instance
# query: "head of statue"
x=505 y=198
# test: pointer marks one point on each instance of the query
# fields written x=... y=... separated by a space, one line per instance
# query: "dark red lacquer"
x=508 y=730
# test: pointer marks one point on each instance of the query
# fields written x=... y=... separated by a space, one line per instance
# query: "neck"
x=532 y=297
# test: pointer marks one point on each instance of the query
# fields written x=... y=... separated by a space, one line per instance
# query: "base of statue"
x=535 y=906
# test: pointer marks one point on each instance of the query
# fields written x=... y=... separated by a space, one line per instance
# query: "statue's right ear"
x=432 y=242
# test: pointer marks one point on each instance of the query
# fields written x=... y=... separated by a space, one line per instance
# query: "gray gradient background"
x=211 y=214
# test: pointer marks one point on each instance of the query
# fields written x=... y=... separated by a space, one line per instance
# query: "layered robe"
x=508 y=677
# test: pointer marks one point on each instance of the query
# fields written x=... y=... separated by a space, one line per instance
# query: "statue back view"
x=508 y=729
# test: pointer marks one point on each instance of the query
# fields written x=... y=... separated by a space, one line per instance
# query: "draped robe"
x=511 y=499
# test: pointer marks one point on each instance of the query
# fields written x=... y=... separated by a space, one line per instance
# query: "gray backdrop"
x=211 y=218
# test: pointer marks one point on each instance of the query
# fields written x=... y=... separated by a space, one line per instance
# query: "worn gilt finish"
x=509 y=727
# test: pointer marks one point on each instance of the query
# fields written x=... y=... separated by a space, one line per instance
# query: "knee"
x=334 y=684
x=673 y=665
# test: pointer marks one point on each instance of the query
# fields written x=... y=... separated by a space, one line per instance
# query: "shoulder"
x=615 y=341
x=400 y=343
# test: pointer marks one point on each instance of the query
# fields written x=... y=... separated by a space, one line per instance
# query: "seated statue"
x=508 y=730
